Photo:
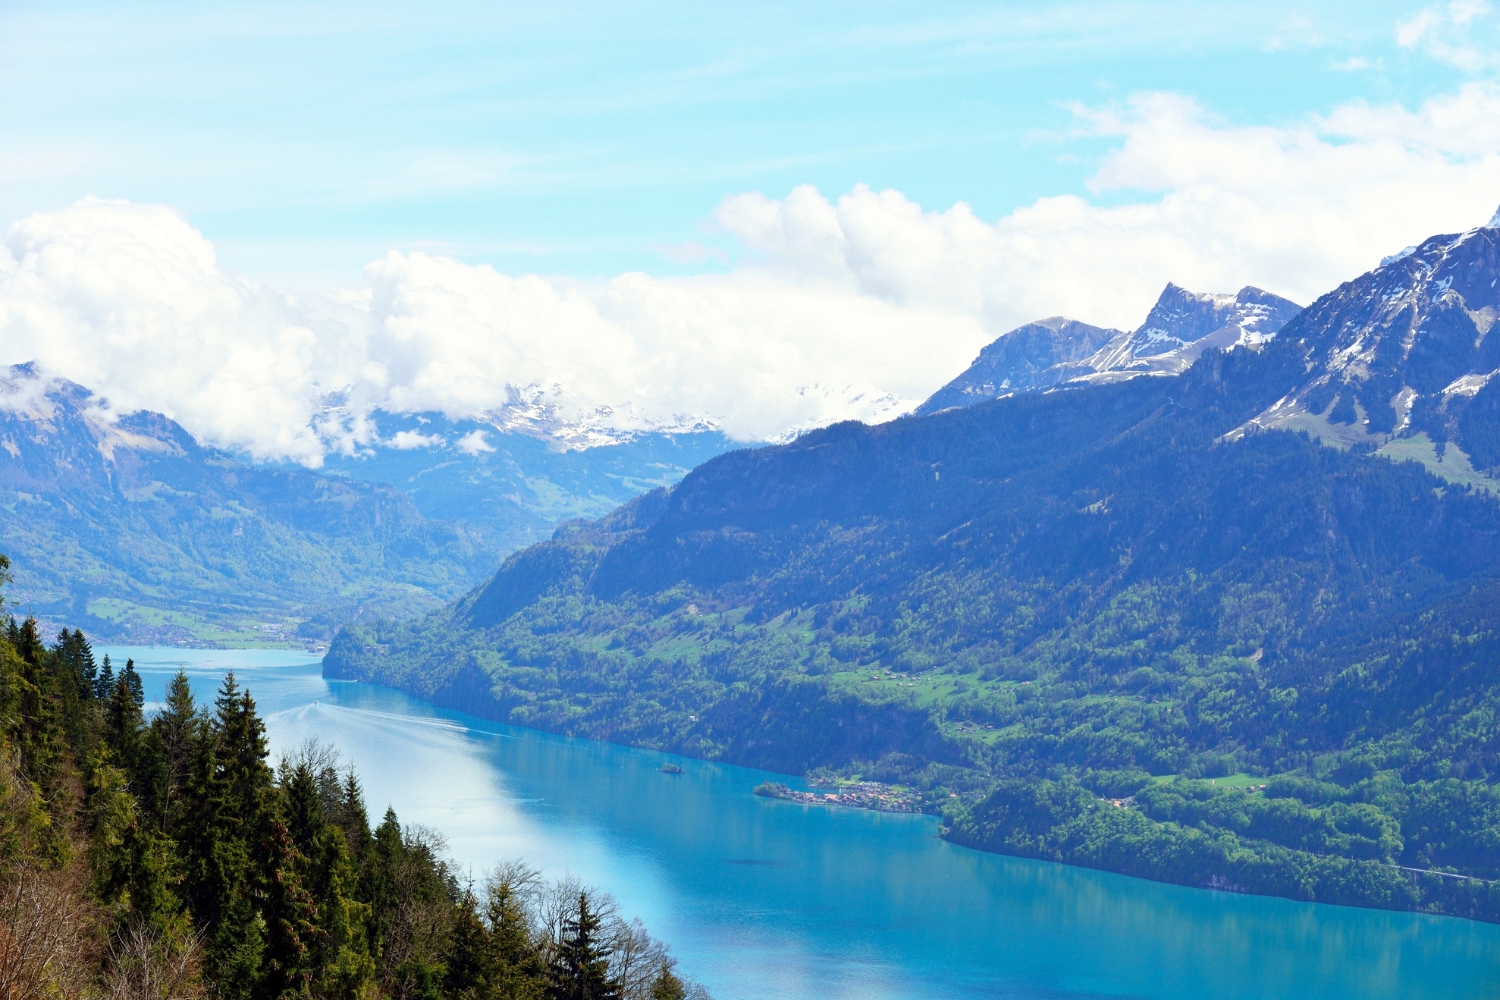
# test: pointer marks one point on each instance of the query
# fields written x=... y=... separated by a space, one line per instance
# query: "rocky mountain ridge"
x=1401 y=360
x=1051 y=352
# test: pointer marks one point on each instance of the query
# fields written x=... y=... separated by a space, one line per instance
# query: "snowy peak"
x=1181 y=317
x=55 y=430
x=1494 y=222
x=1404 y=350
x=1035 y=356
x=1180 y=327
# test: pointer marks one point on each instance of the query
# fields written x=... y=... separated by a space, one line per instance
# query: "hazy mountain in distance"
x=1180 y=326
x=513 y=485
x=125 y=525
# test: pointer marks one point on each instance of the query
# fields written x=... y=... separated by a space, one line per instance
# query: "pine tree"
x=123 y=721
x=176 y=732
x=104 y=683
x=465 y=973
x=667 y=985
x=290 y=915
x=580 y=970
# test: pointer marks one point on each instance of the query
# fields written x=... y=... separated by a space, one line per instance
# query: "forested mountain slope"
x=1063 y=617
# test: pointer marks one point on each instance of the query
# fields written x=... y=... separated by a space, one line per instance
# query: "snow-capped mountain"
x=1180 y=327
x=1035 y=356
x=126 y=525
x=1403 y=358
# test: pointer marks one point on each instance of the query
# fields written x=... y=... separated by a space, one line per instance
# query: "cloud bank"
x=858 y=306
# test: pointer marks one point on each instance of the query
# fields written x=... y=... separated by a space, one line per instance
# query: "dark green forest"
x=1083 y=626
x=166 y=858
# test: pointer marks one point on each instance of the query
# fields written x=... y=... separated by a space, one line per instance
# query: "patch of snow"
x=1467 y=385
x=1401 y=254
x=1494 y=222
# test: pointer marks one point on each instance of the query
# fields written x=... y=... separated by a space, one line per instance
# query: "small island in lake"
x=670 y=769
x=857 y=794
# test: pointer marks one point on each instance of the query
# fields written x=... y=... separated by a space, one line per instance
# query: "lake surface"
x=769 y=899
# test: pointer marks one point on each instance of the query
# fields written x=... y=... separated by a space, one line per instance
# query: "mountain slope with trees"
x=1102 y=625
x=166 y=858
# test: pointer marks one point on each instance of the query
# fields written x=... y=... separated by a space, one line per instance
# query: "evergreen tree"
x=513 y=965
x=40 y=739
x=218 y=876
x=123 y=721
x=339 y=954
x=241 y=738
x=580 y=970
x=353 y=819
x=104 y=683
x=667 y=985
x=290 y=915
x=465 y=975
x=176 y=732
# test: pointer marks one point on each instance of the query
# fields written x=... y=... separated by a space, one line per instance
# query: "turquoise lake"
x=767 y=899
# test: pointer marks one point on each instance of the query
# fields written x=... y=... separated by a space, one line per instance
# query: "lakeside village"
x=858 y=794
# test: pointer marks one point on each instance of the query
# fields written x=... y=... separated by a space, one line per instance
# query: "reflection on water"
x=770 y=899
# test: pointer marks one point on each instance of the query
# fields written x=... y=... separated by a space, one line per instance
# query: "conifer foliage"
x=166 y=858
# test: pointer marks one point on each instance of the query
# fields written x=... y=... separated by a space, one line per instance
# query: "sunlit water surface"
x=763 y=899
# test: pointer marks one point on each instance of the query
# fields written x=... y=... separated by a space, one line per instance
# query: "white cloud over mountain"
x=854 y=307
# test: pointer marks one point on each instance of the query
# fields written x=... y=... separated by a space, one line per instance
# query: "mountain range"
x=1055 y=351
x=127 y=526
x=1214 y=628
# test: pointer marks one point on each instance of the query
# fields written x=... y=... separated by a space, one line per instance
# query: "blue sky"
x=590 y=139
x=641 y=216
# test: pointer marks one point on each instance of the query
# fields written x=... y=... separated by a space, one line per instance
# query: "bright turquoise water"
x=764 y=899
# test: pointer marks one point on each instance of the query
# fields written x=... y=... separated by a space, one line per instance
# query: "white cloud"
x=411 y=440
x=855 y=306
x=474 y=443
x=1459 y=33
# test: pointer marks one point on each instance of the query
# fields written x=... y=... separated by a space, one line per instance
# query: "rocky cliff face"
x=1055 y=351
x=1035 y=356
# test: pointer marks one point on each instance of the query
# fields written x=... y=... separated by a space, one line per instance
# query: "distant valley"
x=126 y=526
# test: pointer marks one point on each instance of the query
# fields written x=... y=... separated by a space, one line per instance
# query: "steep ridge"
x=1401 y=360
x=1035 y=356
x=1180 y=326
x=126 y=525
